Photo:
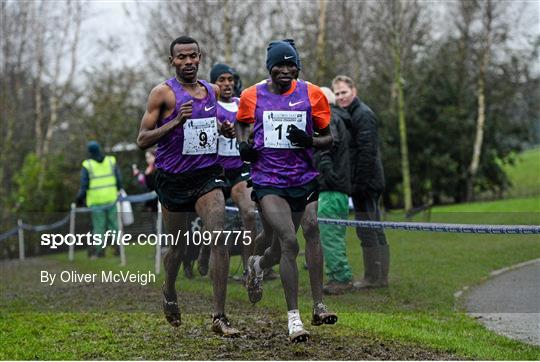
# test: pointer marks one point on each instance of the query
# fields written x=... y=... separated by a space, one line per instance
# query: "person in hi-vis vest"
x=100 y=183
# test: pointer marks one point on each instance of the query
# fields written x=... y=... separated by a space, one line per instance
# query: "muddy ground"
x=133 y=312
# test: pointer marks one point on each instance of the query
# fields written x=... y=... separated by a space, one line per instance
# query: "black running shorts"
x=297 y=197
x=180 y=192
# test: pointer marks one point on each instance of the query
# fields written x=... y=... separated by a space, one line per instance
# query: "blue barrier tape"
x=405 y=226
x=39 y=228
x=435 y=227
x=139 y=197
x=131 y=198
x=9 y=233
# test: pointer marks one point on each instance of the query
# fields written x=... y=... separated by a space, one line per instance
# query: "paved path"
x=509 y=302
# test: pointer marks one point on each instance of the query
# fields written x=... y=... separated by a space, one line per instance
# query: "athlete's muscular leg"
x=174 y=221
x=264 y=238
x=314 y=254
x=277 y=212
x=211 y=209
x=241 y=196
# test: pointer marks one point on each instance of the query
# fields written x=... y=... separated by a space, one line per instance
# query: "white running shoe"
x=297 y=333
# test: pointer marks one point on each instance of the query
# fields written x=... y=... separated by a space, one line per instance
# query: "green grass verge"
x=524 y=174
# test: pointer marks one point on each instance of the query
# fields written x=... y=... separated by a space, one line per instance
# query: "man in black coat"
x=367 y=182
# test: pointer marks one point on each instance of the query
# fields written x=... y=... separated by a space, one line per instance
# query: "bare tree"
x=398 y=32
x=235 y=32
x=64 y=55
x=487 y=13
x=15 y=27
x=321 y=42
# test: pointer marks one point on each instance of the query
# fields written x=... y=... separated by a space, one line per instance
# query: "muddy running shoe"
x=254 y=281
x=321 y=315
x=221 y=325
x=171 y=310
x=297 y=333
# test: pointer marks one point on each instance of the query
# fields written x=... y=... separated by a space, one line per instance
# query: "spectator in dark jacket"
x=367 y=182
x=335 y=187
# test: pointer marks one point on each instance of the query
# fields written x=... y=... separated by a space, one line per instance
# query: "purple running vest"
x=229 y=145
x=169 y=154
x=282 y=167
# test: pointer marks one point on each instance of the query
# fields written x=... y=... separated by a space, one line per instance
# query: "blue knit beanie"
x=280 y=51
x=219 y=69
x=291 y=41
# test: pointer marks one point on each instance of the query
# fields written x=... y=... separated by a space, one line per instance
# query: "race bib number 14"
x=277 y=126
x=200 y=136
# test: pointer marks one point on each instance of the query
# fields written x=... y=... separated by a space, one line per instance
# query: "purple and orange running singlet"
x=280 y=164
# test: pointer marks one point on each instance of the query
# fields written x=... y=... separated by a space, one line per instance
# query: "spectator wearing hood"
x=100 y=183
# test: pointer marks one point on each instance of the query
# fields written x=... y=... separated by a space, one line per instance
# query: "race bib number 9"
x=227 y=146
x=200 y=136
x=277 y=126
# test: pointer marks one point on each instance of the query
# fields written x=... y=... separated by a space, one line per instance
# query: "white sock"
x=293 y=315
x=294 y=320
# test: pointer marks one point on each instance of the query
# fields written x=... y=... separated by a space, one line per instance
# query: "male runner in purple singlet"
x=181 y=117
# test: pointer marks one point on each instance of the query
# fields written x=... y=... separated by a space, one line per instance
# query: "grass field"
x=524 y=174
x=417 y=317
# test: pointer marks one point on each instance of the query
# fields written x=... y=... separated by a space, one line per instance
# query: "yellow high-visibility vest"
x=102 y=186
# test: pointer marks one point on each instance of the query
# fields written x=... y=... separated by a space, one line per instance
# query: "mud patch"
x=136 y=328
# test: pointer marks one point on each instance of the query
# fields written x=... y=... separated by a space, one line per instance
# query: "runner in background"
x=236 y=171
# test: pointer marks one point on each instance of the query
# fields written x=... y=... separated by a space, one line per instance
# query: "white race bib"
x=200 y=136
x=276 y=127
x=227 y=146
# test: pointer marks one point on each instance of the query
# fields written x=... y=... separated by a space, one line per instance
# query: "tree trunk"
x=407 y=193
x=227 y=30
x=481 y=118
x=38 y=99
x=321 y=43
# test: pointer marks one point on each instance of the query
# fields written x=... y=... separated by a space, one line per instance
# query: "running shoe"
x=171 y=310
x=254 y=282
x=297 y=333
x=321 y=315
x=221 y=325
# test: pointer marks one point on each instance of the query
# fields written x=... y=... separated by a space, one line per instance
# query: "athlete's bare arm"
x=161 y=103
x=323 y=140
x=242 y=131
x=224 y=128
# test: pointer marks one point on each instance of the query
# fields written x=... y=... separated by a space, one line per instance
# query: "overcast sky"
x=110 y=18
x=105 y=20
